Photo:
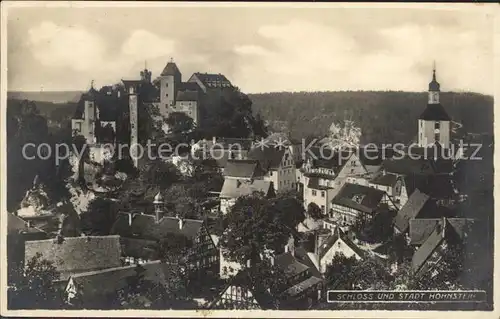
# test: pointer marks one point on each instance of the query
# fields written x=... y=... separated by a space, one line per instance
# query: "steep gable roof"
x=269 y=157
x=289 y=264
x=325 y=157
x=77 y=254
x=233 y=188
x=410 y=210
x=170 y=69
x=421 y=228
x=388 y=179
x=331 y=240
x=359 y=197
x=242 y=168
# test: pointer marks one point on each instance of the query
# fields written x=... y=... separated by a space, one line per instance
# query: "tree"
x=159 y=173
x=99 y=217
x=338 y=273
x=35 y=287
x=179 y=122
x=314 y=211
x=257 y=224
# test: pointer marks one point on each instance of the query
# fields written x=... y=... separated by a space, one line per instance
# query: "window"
x=437 y=125
x=322 y=193
x=166 y=84
x=166 y=94
x=314 y=192
x=323 y=209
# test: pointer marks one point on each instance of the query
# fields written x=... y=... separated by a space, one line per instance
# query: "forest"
x=384 y=117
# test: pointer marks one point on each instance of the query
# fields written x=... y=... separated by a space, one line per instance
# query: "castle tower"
x=89 y=99
x=170 y=80
x=132 y=87
x=146 y=74
x=434 y=122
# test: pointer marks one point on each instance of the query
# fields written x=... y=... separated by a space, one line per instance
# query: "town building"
x=232 y=189
x=143 y=235
x=355 y=202
x=279 y=165
x=337 y=242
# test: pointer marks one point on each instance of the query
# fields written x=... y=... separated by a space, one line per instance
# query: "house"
x=393 y=185
x=301 y=288
x=232 y=189
x=429 y=259
x=336 y=243
x=279 y=165
x=88 y=291
x=221 y=150
x=74 y=255
x=356 y=201
x=141 y=235
x=324 y=173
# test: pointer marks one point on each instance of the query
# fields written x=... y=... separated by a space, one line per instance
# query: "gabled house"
x=324 y=173
x=357 y=201
x=232 y=189
x=279 y=165
x=301 y=288
x=337 y=243
x=74 y=255
x=393 y=185
x=142 y=234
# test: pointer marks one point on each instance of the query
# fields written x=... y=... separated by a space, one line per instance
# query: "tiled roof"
x=145 y=227
x=314 y=184
x=385 y=179
x=434 y=112
x=289 y=264
x=207 y=78
x=427 y=248
x=233 y=188
x=242 y=168
x=410 y=210
x=269 y=157
x=303 y=257
x=139 y=248
x=189 y=86
x=421 y=228
x=236 y=143
x=77 y=254
x=187 y=96
x=303 y=285
x=170 y=69
x=107 y=281
x=370 y=200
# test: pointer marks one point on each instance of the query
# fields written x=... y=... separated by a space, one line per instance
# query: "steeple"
x=434 y=88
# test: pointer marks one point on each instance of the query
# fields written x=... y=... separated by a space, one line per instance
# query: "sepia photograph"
x=238 y=159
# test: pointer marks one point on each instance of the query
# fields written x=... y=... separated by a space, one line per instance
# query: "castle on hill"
x=99 y=112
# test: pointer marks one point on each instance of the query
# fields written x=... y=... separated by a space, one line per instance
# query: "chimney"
x=214 y=139
x=249 y=263
x=271 y=259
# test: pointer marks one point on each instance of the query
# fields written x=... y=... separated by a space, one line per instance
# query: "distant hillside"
x=384 y=117
x=46 y=96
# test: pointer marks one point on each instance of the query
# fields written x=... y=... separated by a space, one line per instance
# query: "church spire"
x=434 y=87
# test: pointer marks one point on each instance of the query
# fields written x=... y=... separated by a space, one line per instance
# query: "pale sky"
x=258 y=49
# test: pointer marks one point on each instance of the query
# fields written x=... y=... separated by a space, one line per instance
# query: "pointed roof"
x=434 y=85
x=410 y=210
x=170 y=69
x=336 y=235
x=434 y=112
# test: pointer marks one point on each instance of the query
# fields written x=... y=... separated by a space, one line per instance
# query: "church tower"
x=434 y=122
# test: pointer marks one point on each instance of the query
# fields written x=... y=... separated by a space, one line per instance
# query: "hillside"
x=46 y=96
x=384 y=117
